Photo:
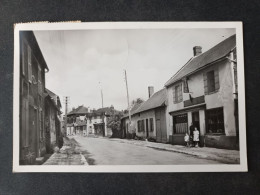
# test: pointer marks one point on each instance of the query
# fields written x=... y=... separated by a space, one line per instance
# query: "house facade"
x=90 y=122
x=148 y=119
x=32 y=84
x=204 y=93
x=52 y=120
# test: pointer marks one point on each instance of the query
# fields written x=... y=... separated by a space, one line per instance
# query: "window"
x=177 y=93
x=151 y=124
x=29 y=63
x=211 y=81
x=180 y=124
x=215 y=121
x=140 y=125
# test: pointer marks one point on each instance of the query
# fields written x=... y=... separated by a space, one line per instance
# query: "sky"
x=82 y=62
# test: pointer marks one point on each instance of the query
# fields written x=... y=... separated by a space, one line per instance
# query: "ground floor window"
x=180 y=124
x=140 y=125
x=215 y=120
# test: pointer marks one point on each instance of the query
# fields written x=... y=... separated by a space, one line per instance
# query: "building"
x=149 y=118
x=32 y=84
x=52 y=120
x=204 y=92
x=127 y=132
x=90 y=122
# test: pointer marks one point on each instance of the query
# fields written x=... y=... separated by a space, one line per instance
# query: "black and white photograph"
x=129 y=97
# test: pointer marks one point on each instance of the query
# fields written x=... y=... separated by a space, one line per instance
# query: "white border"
x=242 y=167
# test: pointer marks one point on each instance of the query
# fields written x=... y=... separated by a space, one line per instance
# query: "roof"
x=156 y=100
x=30 y=37
x=79 y=110
x=53 y=95
x=215 y=53
x=133 y=109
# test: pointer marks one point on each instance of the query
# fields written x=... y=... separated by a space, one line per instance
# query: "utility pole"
x=129 y=110
x=66 y=101
x=101 y=94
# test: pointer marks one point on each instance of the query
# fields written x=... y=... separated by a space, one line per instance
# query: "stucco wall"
x=222 y=98
x=143 y=116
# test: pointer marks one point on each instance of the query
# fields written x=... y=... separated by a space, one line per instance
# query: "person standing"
x=196 y=137
x=187 y=140
x=192 y=128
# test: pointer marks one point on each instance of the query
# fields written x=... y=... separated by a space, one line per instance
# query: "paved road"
x=102 y=151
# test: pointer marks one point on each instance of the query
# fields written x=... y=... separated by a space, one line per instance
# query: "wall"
x=143 y=116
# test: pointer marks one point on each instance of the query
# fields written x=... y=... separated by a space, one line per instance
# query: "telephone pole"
x=129 y=110
x=101 y=94
x=66 y=101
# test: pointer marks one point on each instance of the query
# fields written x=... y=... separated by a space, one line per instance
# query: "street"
x=104 y=151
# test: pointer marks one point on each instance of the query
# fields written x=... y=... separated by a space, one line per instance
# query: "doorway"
x=196 y=119
x=147 y=130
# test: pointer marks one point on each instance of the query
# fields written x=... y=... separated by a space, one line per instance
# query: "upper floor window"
x=177 y=93
x=211 y=81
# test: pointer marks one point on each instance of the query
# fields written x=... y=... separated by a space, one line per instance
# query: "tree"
x=137 y=101
x=115 y=124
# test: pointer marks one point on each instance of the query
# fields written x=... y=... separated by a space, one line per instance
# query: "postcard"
x=129 y=97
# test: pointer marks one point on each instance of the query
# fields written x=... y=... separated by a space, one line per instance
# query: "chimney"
x=197 y=50
x=150 y=91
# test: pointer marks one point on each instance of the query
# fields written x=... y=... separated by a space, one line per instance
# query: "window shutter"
x=205 y=83
x=216 y=79
x=23 y=58
x=173 y=93
x=29 y=64
x=185 y=85
x=180 y=92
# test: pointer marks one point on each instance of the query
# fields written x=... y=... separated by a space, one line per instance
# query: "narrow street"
x=104 y=151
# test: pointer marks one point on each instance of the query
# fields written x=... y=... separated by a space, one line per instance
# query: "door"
x=32 y=133
x=146 y=127
x=158 y=131
x=161 y=132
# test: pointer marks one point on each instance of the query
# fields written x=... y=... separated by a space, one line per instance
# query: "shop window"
x=215 y=121
x=180 y=124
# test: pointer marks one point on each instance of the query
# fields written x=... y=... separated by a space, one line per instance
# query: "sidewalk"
x=221 y=155
x=69 y=154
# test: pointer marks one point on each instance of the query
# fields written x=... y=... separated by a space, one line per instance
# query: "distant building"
x=204 y=92
x=87 y=122
x=32 y=84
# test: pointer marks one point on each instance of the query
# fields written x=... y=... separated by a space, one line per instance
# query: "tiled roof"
x=156 y=100
x=215 y=53
x=79 y=110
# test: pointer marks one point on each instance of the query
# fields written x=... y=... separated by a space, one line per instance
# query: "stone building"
x=32 y=84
